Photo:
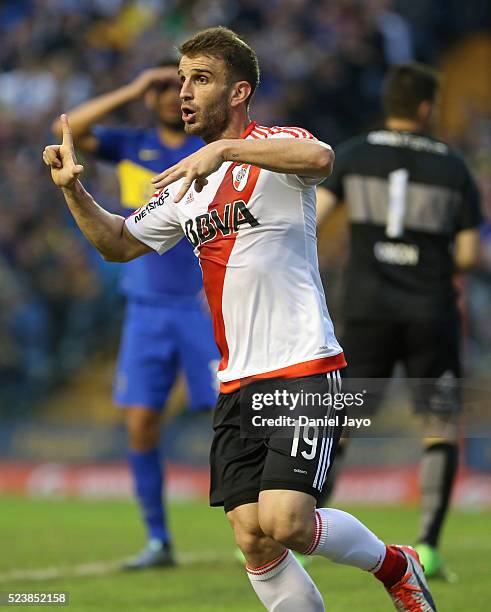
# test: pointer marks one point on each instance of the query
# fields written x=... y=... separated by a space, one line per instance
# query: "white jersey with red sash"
x=254 y=232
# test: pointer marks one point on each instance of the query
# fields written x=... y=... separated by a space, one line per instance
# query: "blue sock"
x=146 y=470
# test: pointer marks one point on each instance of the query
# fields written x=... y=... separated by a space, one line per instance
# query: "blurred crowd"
x=322 y=63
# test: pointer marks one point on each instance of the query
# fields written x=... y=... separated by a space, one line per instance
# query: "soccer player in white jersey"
x=246 y=201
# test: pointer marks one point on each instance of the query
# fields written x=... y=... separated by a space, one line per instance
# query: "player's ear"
x=240 y=92
x=150 y=99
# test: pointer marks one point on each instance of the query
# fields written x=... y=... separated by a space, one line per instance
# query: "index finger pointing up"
x=67 y=131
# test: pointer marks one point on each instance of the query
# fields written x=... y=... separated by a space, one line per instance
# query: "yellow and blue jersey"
x=139 y=155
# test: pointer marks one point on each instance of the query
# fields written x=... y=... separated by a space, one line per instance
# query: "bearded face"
x=205 y=96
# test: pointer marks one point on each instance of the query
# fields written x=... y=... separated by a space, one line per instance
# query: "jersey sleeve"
x=294 y=132
x=111 y=142
x=469 y=216
x=156 y=224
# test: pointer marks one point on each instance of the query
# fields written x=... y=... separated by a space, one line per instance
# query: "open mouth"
x=188 y=114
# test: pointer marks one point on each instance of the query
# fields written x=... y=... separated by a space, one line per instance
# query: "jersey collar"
x=248 y=129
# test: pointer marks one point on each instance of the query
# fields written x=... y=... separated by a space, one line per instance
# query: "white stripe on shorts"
x=334 y=381
x=323 y=442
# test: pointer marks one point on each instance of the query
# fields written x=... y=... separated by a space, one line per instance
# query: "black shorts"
x=428 y=349
x=242 y=466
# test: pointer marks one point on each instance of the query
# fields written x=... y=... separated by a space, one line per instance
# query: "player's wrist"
x=75 y=187
x=229 y=149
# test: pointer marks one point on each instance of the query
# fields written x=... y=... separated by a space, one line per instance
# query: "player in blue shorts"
x=167 y=328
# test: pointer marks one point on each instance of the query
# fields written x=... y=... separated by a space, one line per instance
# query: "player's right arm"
x=83 y=118
x=106 y=231
x=330 y=192
x=326 y=203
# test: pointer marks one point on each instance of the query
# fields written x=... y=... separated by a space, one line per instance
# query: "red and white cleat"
x=411 y=593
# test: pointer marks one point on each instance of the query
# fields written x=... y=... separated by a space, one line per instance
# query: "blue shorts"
x=157 y=343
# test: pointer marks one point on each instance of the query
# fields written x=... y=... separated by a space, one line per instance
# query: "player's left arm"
x=466 y=253
x=303 y=157
x=467 y=243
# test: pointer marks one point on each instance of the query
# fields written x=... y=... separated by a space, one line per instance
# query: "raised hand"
x=194 y=168
x=151 y=77
x=61 y=158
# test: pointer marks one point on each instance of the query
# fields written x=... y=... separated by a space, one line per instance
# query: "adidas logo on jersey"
x=207 y=226
x=240 y=174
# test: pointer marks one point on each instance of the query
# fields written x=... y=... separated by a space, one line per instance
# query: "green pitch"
x=77 y=543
